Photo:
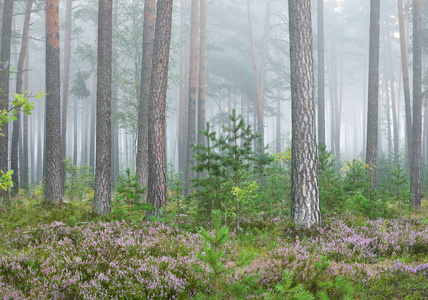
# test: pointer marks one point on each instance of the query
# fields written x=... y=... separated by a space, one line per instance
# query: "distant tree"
x=102 y=196
x=406 y=84
x=305 y=208
x=19 y=90
x=6 y=35
x=321 y=92
x=157 y=191
x=143 y=111
x=202 y=72
x=373 y=93
x=417 y=105
x=191 y=110
x=66 y=87
x=52 y=175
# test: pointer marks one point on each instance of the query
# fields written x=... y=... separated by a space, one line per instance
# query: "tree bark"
x=66 y=87
x=321 y=83
x=53 y=187
x=102 y=198
x=142 y=161
x=182 y=126
x=417 y=105
x=93 y=122
x=373 y=91
x=25 y=149
x=305 y=207
x=202 y=72
x=259 y=80
x=191 y=111
x=157 y=191
x=6 y=35
x=19 y=90
x=395 y=124
x=278 y=122
x=406 y=83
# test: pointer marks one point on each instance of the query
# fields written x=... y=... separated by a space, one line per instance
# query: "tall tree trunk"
x=25 y=148
x=305 y=207
x=142 y=159
x=395 y=124
x=76 y=110
x=193 y=71
x=53 y=186
x=373 y=93
x=202 y=72
x=332 y=84
x=338 y=112
x=182 y=118
x=4 y=84
x=321 y=83
x=1 y=14
x=93 y=119
x=417 y=105
x=387 y=105
x=406 y=84
x=157 y=156
x=19 y=90
x=259 y=80
x=66 y=87
x=102 y=197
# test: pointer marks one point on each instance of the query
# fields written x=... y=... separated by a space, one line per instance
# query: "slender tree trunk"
x=4 y=83
x=76 y=110
x=142 y=162
x=102 y=198
x=395 y=124
x=321 y=83
x=259 y=82
x=182 y=126
x=338 y=112
x=193 y=71
x=53 y=186
x=305 y=207
x=202 y=72
x=1 y=14
x=387 y=106
x=373 y=93
x=278 y=122
x=25 y=148
x=19 y=90
x=157 y=155
x=406 y=84
x=93 y=119
x=66 y=88
x=417 y=105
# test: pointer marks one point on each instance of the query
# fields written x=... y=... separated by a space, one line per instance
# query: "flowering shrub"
x=100 y=261
x=147 y=260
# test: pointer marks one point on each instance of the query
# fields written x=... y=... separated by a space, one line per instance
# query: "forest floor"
x=49 y=252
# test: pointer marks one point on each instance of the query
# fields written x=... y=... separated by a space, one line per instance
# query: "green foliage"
x=214 y=256
x=79 y=88
x=207 y=184
x=78 y=183
x=362 y=206
x=356 y=179
x=330 y=183
x=398 y=188
x=19 y=104
x=6 y=180
x=176 y=188
x=129 y=193
x=288 y=289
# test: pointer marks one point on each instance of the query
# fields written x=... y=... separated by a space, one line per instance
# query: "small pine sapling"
x=129 y=190
x=398 y=185
x=207 y=185
x=175 y=188
x=213 y=255
x=237 y=148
